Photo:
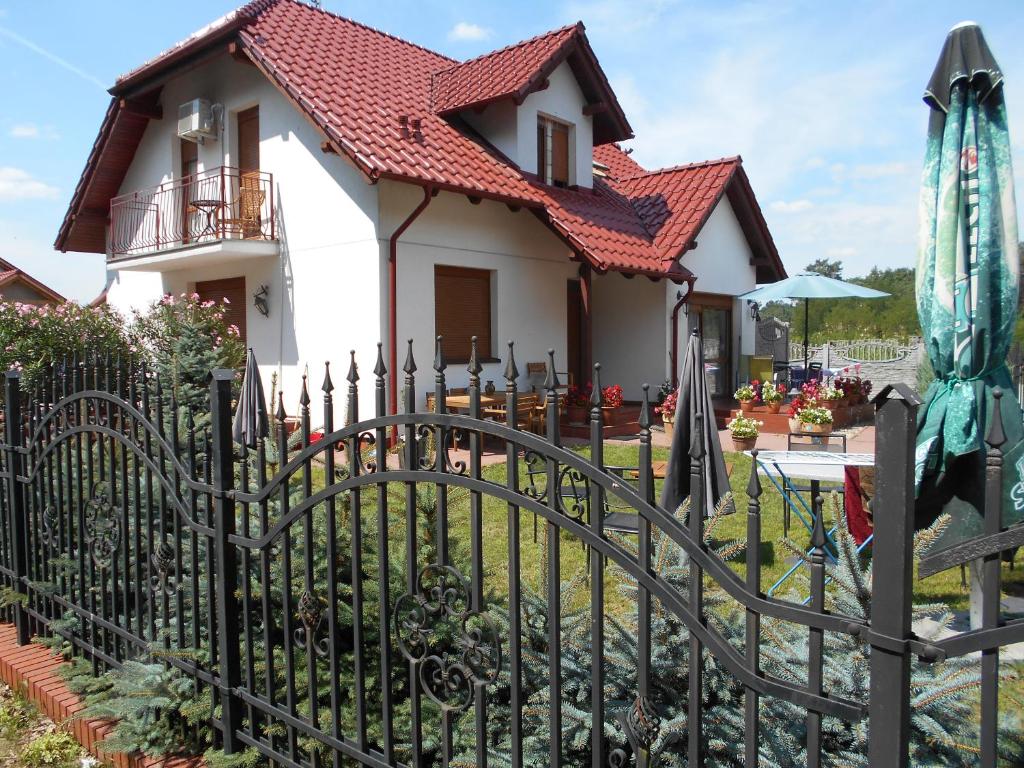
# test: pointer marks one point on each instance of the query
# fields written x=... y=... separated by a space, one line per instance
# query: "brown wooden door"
x=232 y=289
x=574 y=331
x=249 y=140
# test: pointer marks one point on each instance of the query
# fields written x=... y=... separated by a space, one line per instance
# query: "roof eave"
x=138 y=78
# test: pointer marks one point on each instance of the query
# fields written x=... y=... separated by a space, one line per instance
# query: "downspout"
x=682 y=299
x=428 y=192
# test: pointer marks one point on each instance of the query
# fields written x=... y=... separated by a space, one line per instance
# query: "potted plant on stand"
x=744 y=432
x=577 y=403
x=611 y=402
x=772 y=397
x=816 y=420
x=797 y=405
x=746 y=395
x=667 y=409
x=830 y=397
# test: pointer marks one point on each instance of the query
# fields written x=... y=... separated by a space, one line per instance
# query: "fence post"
x=892 y=576
x=229 y=614
x=16 y=500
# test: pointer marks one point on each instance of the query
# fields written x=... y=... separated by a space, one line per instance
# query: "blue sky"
x=822 y=100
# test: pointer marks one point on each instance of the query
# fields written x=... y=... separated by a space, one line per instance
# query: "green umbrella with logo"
x=967 y=275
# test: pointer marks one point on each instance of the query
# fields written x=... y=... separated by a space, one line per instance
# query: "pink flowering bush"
x=33 y=337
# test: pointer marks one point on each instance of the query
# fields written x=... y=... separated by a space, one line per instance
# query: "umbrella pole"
x=807 y=303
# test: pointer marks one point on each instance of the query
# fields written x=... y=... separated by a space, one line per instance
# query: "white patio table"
x=780 y=467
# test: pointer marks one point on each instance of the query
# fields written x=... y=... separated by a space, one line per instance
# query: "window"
x=232 y=289
x=462 y=310
x=553 y=151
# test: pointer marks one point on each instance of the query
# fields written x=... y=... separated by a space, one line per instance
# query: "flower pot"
x=740 y=444
x=670 y=426
x=577 y=414
x=817 y=429
x=746 y=406
x=775 y=407
x=610 y=416
x=795 y=425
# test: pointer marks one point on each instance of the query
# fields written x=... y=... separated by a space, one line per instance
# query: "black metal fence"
x=340 y=609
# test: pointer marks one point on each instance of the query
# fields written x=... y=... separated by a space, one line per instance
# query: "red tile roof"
x=511 y=72
x=619 y=163
x=675 y=202
x=379 y=101
x=11 y=274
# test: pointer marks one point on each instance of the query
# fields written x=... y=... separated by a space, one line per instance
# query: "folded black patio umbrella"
x=695 y=398
x=251 y=412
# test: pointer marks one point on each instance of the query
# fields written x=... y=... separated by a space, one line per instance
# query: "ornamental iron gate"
x=339 y=609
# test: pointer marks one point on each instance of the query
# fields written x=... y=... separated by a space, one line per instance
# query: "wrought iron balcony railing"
x=220 y=203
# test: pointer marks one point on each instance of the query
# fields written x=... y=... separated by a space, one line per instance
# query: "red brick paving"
x=32 y=670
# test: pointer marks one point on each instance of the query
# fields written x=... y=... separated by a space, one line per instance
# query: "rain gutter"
x=428 y=193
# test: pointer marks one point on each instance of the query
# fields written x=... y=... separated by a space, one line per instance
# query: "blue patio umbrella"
x=807 y=286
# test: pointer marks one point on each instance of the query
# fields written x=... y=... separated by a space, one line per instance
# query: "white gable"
x=513 y=130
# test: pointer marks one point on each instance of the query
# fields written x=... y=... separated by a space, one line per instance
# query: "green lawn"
x=943 y=587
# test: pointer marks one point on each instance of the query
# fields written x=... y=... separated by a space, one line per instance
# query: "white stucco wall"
x=513 y=130
x=629 y=333
x=326 y=279
x=721 y=262
x=498 y=124
x=530 y=269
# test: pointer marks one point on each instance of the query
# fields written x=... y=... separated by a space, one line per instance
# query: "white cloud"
x=791 y=206
x=32 y=131
x=18 y=184
x=465 y=30
x=841 y=252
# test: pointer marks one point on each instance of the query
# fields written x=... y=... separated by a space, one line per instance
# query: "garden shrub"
x=34 y=337
x=56 y=749
x=185 y=338
x=15 y=715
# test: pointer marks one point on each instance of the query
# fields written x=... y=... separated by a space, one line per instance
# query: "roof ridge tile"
x=510 y=47
x=738 y=159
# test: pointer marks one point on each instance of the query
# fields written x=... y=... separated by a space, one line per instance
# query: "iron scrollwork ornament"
x=456 y=649
x=536 y=467
x=50 y=535
x=311 y=614
x=642 y=726
x=574 y=493
x=102 y=528
x=166 y=577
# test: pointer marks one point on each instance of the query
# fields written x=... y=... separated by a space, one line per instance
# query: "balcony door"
x=249 y=140
x=711 y=316
x=249 y=195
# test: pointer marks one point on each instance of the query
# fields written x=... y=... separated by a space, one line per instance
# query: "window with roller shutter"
x=232 y=289
x=553 y=151
x=462 y=310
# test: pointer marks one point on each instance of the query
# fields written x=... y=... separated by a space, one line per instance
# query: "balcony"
x=214 y=215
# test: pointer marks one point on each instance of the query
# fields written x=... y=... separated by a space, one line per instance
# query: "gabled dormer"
x=545 y=103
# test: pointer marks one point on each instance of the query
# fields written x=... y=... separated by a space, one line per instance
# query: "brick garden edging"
x=32 y=671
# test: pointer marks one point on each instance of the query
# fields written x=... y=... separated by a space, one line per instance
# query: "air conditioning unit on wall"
x=196 y=121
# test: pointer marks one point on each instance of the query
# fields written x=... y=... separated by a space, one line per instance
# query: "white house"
x=343 y=187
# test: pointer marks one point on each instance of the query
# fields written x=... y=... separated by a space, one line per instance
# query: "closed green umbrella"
x=967 y=275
